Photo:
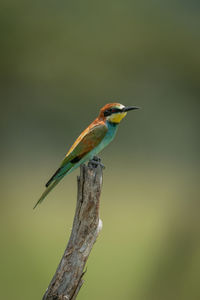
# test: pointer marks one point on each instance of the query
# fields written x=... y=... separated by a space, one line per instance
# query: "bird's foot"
x=95 y=162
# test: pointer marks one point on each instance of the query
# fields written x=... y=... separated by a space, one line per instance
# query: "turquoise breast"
x=112 y=129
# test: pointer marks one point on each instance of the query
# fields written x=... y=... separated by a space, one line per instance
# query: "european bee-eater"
x=90 y=142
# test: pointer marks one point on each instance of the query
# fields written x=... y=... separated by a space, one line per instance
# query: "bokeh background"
x=60 y=62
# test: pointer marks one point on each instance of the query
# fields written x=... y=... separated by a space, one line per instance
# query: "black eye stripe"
x=110 y=111
x=107 y=113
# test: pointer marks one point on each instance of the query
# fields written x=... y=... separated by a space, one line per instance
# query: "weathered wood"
x=67 y=280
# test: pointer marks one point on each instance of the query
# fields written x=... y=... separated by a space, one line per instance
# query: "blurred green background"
x=60 y=62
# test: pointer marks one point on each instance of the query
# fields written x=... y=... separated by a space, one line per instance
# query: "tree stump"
x=67 y=280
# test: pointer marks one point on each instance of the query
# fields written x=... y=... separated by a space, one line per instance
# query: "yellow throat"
x=116 y=118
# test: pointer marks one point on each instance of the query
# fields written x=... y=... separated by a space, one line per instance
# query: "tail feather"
x=52 y=178
x=48 y=189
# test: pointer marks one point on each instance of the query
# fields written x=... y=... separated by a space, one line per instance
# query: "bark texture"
x=67 y=280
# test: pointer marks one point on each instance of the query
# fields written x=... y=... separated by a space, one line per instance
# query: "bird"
x=90 y=142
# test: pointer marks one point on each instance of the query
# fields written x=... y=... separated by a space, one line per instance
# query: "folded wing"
x=87 y=141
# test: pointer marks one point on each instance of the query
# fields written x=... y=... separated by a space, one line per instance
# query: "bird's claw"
x=95 y=162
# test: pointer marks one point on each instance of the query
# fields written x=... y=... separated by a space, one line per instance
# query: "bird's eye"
x=116 y=110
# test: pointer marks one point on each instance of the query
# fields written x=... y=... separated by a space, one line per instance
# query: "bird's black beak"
x=127 y=108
